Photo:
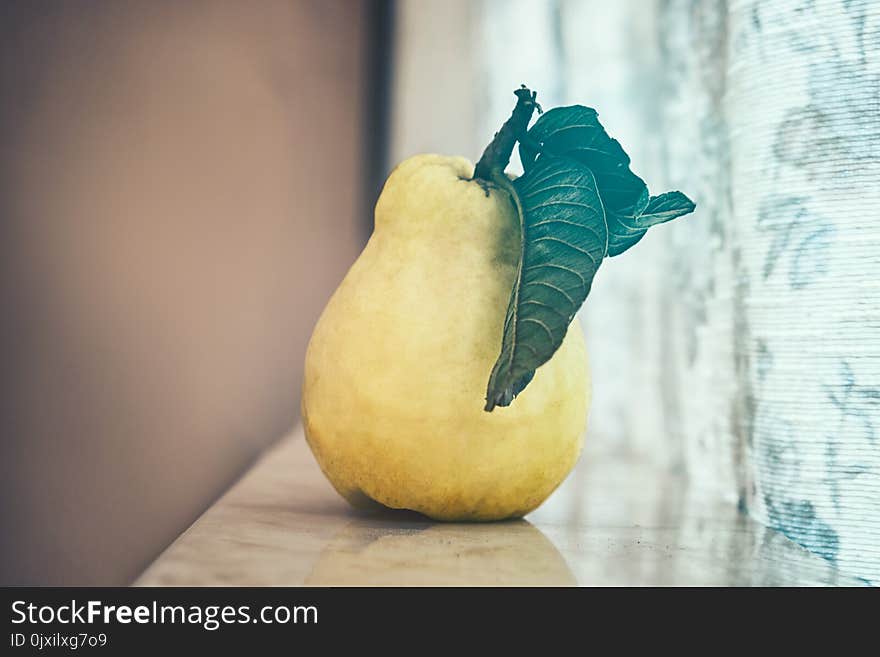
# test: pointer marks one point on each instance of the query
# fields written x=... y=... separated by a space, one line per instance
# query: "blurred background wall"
x=181 y=188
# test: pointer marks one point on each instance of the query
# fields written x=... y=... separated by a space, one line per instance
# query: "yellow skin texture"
x=397 y=367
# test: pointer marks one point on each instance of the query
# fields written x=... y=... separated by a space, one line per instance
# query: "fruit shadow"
x=388 y=547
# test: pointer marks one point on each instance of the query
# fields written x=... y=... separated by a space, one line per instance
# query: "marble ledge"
x=611 y=523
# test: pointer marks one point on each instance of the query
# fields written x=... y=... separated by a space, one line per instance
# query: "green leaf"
x=625 y=230
x=575 y=132
x=665 y=207
x=564 y=240
x=578 y=202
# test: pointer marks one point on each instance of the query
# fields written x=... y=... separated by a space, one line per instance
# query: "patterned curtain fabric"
x=740 y=345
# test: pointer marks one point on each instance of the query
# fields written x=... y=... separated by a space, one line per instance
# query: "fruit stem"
x=497 y=154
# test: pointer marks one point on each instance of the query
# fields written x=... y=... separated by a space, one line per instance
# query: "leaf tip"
x=505 y=396
x=687 y=203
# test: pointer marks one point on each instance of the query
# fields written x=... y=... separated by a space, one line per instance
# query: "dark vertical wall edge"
x=378 y=63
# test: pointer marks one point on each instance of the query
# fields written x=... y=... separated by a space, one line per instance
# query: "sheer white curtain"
x=740 y=345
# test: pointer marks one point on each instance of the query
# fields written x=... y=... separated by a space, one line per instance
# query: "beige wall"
x=180 y=194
